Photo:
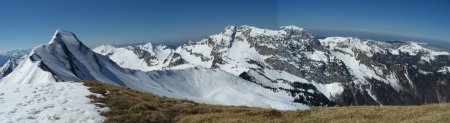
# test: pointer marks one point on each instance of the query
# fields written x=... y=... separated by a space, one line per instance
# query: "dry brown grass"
x=129 y=106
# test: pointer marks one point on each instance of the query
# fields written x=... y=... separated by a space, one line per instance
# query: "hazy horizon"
x=315 y=32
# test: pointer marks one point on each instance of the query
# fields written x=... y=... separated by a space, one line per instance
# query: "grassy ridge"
x=132 y=106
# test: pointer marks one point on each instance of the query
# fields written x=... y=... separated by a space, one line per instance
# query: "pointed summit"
x=65 y=58
x=65 y=42
x=65 y=38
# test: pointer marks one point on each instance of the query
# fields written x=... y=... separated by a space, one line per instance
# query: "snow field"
x=63 y=102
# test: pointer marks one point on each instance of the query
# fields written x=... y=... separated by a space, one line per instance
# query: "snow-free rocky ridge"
x=317 y=72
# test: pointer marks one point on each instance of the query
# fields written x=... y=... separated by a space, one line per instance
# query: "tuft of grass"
x=127 y=105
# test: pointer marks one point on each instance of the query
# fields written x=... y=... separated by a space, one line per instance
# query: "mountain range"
x=244 y=65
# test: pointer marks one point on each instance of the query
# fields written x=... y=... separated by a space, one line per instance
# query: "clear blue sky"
x=27 y=23
x=420 y=19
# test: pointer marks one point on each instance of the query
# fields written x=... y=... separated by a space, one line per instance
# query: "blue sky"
x=27 y=23
x=411 y=19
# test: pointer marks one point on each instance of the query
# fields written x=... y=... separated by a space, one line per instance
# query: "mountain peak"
x=60 y=32
x=64 y=37
x=229 y=30
x=292 y=27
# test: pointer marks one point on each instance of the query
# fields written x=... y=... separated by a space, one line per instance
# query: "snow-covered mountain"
x=333 y=70
x=140 y=57
x=10 y=60
x=284 y=69
x=65 y=58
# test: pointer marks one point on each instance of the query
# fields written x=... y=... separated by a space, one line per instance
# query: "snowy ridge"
x=351 y=43
x=17 y=53
x=141 y=57
x=369 y=47
x=414 y=48
x=347 y=50
x=29 y=72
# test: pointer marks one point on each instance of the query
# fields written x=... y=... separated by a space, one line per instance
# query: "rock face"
x=317 y=72
x=7 y=68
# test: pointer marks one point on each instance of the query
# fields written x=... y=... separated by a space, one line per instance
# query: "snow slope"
x=63 y=102
x=215 y=86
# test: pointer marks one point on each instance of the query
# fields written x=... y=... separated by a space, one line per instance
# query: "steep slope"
x=342 y=70
x=7 y=68
x=65 y=58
